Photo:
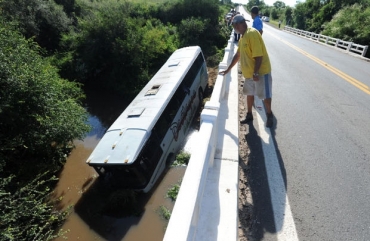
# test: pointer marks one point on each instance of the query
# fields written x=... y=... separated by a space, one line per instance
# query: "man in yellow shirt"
x=256 y=67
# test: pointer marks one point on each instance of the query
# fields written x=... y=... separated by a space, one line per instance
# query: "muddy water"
x=90 y=198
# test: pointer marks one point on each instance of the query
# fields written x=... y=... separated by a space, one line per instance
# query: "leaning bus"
x=136 y=148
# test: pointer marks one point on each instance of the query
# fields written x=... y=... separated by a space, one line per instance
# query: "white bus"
x=148 y=134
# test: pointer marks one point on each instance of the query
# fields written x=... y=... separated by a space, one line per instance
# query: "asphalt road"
x=321 y=104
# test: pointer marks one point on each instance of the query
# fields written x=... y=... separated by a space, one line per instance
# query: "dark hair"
x=254 y=10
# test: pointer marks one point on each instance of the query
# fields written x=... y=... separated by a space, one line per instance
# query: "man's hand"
x=224 y=72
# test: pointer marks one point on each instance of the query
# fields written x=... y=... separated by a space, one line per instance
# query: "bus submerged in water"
x=148 y=134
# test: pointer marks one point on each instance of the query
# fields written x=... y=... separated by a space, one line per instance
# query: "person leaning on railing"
x=255 y=65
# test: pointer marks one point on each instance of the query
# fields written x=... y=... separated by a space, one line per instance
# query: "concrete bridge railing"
x=338 y=43
x=185 y=215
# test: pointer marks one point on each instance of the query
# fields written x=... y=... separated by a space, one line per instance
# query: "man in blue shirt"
x=257 y=22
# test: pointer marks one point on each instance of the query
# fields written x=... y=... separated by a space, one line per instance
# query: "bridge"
x=207 y=204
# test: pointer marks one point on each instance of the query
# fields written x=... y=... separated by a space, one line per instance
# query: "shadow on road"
x=262 y=225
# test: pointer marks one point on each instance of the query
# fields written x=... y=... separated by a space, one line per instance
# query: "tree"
x=356 y=30
x=45 y=21
x=40 y=113
x=40 y=116
x=279 y=4
x=288 y=15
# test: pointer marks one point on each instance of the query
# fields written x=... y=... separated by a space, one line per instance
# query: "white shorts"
x=261 y=88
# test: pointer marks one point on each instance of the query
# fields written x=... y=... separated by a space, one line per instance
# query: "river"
x=95 y=208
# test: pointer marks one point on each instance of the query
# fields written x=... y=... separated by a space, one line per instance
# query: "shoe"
x=270 y=120
x=248 y=118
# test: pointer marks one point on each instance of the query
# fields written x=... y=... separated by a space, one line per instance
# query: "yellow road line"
x=336 y=71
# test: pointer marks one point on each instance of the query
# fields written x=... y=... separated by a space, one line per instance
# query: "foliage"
x=312 y=15
x=357 y=30
x=279 y=4
x=201 y=19
x=120 y=45
x=288 y=15
x=194 y=26
x=26 y=212
x=117 y=51
x=274 y=13
x=45 y=21
x=259 y=3
x=111 y=44
x=173 y=192
x=40 y=113
x=182 y=159
x=165 y=212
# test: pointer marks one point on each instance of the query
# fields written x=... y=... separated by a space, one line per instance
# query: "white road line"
x=283 y=217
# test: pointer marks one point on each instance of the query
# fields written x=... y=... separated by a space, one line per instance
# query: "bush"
x=40 y=113
x=45 y=21
x=26 y=212
x=119 y=49
x=40 y=116
x=173 y=192
x=356 y=30
x=182 y=159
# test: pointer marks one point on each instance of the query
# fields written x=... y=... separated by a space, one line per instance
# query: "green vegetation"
x=173 y=192
x=355 y=30
x=344 y=19
x=182 y=159
x=48 y=50
x=40 y=116
x=165 y=213
x=27 y=212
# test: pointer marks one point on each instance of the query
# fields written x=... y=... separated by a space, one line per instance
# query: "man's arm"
x=233 y=62
x=257 y=65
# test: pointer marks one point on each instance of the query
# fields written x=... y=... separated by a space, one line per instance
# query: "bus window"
x=161 y=127
x=193 y=71
x=150 y=155
x=172 y=109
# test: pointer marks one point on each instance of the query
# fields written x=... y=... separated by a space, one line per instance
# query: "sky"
x=290 y=3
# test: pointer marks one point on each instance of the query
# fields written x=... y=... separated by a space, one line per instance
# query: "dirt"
x=245 y=202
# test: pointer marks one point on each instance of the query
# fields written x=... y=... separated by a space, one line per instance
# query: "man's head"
x=239 y=23
x=254 y=11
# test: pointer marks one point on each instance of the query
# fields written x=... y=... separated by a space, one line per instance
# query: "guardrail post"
x=364 y=51
x=349 y=46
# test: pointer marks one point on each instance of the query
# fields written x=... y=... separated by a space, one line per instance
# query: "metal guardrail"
x=185 y=215
x=338 y=43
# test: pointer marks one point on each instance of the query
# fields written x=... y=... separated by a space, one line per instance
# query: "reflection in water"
x=79 y=186
x=98 y=129
x=88 y=221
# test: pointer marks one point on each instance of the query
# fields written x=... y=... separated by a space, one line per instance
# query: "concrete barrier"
x=184 y=222
x=338 y=43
